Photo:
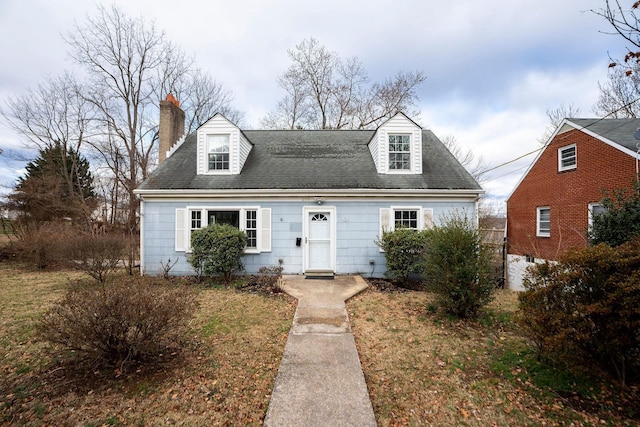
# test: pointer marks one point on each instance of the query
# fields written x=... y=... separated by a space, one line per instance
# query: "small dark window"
x=224 y=217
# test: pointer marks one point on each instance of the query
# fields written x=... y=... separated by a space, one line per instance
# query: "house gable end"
x=610 y=142
x=548 y=211
x=568 y=125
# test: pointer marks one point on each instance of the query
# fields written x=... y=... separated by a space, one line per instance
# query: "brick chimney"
x=171 y=125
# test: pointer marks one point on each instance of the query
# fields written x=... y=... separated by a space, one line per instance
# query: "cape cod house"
x=550 y=209
x=313 y=201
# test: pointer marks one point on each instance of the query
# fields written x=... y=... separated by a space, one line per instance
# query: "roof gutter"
x=311 y=193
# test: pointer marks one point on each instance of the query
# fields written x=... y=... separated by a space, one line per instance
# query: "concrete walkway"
x=320 y=380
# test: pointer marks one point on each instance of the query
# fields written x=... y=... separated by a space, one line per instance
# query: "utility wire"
x=538 y=149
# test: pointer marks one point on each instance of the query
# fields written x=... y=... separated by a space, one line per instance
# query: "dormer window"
x=218 y=152
x=399 y=152
x=396 y=146
x=567 y=158
x=222 y=148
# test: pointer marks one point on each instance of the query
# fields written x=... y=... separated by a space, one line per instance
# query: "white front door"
x=319 y=240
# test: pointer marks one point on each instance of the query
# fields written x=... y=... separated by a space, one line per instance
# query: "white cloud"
x=493 y=67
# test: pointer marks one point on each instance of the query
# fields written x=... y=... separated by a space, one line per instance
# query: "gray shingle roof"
x=620 y=131
x=311 y=159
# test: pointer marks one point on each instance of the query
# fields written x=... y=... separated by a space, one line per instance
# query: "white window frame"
x=591 y=208
x=541 y=232
x=561 y=150
x=388 y=222
x=410 y=152
x=242 y=220
x=208 y=152
x=417 y=219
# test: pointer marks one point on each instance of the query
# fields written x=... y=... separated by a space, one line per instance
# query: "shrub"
x=269 y=277
x=132 y=320
x=404 y=251
x=621 y=220
x=217 y=250
x=457 y=267
x=97 y=256
x=585 y=307
x=44 y=245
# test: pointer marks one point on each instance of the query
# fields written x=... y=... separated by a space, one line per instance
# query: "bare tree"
x=201 y=97
x=556 y=116
x=619 y=95
x=474 y=164
x=323 y=91
x=624 y=23
x=293 y=110
x=131 y=66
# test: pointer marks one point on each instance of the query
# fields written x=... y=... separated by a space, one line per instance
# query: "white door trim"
x=306 y=211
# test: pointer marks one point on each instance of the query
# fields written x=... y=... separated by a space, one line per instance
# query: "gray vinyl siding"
x=357 y=229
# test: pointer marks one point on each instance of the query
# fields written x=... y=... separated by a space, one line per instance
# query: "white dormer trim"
x=399 y=124
x=239 y=146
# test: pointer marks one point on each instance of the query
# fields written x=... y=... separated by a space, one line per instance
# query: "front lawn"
x=422 y=368
x=225 y=377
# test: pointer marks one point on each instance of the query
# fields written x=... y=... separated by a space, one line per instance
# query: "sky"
x=494 y=67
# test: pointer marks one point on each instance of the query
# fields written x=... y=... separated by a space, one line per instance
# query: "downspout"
x=142 y=268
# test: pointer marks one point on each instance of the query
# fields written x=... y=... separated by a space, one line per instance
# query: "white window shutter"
x=427 y=218
x=385 y=220
x=265 y=233
x=181 y=235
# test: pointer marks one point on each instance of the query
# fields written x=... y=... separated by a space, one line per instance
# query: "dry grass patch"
x=224 y=377
x=423 y=368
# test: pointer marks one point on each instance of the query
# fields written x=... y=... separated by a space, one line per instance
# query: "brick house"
x=549 y=210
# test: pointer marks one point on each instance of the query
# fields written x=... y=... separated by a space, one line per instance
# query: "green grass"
x=517 y=363
x=216 y=326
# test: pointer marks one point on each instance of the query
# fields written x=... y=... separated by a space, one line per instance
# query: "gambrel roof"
x=311 y=159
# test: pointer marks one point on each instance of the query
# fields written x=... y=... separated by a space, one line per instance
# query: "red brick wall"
x=568 y=194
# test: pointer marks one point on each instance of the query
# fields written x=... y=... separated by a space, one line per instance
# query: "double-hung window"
x=218 y=152
x=412 y=217
x=567 y=158
x=196 y=221
x=251 y=228
x=543 y=221
x=399 y=152
x=406 y=218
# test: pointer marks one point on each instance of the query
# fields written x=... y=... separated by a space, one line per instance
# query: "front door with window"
x=319 y=240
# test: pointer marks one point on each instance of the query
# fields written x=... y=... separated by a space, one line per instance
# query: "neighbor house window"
x=567 y=158
x=543 y=222
x=399 y=152
x=595 y=209
x=406 y=218
x=218 y=152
